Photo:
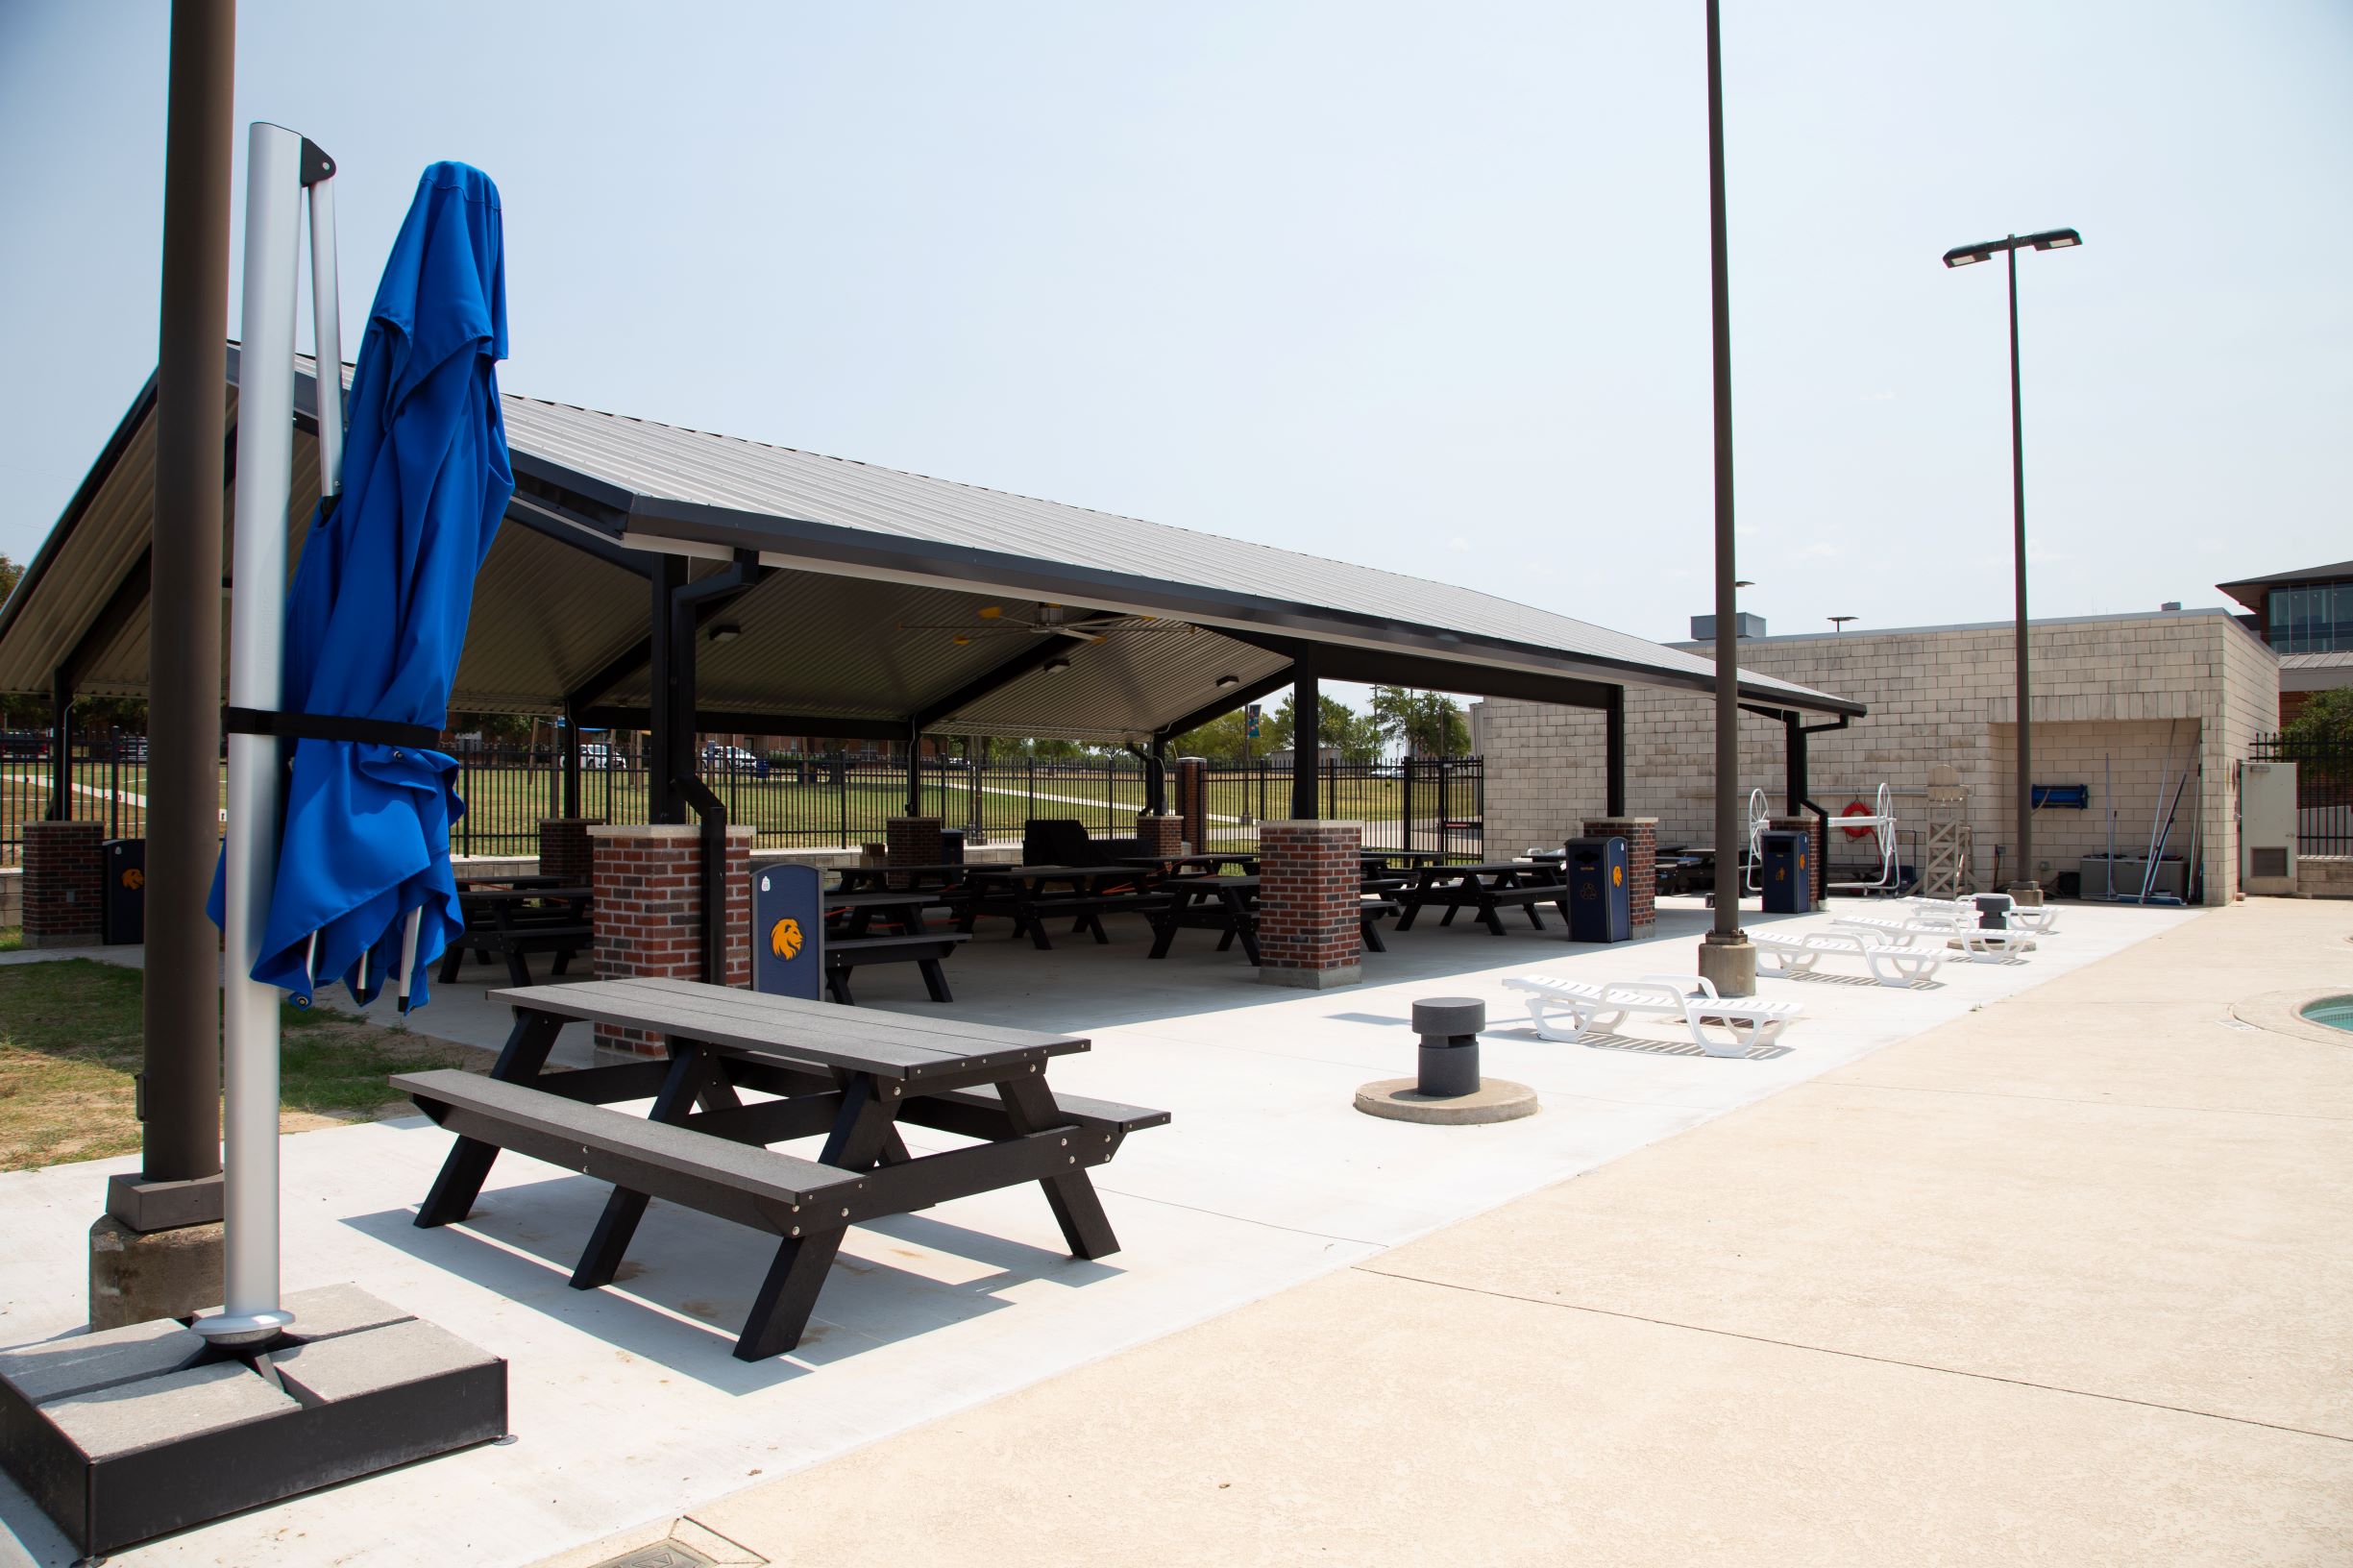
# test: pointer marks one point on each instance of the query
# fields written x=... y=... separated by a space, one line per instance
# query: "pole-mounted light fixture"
x=1840 y=621
x=2023 y=886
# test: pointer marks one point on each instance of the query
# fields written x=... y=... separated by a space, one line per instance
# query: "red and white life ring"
x=1856 y=808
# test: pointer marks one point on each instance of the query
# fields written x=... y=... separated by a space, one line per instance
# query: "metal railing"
x=2323 y=790
x=1428 y=803
x=109 y=786
x=842 y=802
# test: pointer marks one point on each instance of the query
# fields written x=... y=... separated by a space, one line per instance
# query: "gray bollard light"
x=1449 y=1027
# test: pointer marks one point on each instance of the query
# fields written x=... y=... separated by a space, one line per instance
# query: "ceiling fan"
x=1043 y=620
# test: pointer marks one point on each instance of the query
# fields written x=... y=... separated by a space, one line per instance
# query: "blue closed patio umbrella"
x=376 y=615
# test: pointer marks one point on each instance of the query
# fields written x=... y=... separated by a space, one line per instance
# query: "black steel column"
x=180 y=1140
x=1156 y=778
x=1792 y=762
x=1307 y=742
x=671 y=696
x=1613 y=753
x=915 y=771
x=572 y=761
x=60 y=747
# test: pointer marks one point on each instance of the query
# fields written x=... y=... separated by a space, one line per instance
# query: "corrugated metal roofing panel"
x=694 y=468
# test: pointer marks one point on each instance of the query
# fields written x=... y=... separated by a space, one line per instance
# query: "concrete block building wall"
x=2103 y=686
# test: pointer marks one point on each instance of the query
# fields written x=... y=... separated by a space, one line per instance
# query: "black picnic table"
x=1032 y=894
x=1209 y=864
x=517 y=917
x=863 y=878
x=854 y=1078
x=1489 y=889
x=1228 y=905
x=852 y=942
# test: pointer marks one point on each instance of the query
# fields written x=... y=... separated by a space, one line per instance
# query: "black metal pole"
x=1613 y=753
x=60 y=747
x=1727 y=928
x=179 y=1141
x=572 y=761
x=2024 y=880
x=1307 y=742
x=672 y=719
x=915 y=773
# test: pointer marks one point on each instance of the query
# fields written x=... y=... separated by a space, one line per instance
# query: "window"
x=2312 y=620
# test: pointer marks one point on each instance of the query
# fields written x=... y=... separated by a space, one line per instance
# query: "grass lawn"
x=69 y=1041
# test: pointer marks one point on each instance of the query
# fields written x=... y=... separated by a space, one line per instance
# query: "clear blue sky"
x=1421 y=287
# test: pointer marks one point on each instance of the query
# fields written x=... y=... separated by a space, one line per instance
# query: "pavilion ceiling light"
x=727 y=632
x=1224 y=681
x=1056 y=666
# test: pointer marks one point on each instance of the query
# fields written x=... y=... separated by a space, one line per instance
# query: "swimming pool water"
x=2333 y=1011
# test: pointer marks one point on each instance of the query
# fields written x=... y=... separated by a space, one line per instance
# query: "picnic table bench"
x=924 y=949
x=1228 y=905
x=543 y=916
x=852 y=1078
x=1027 y=893
x=1489 y=889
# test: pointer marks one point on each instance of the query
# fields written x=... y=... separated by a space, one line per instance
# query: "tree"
x=1425 y=724
x=2325 y=721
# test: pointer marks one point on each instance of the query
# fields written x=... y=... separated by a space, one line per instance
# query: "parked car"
x=24 y=743
x=596 y=757
x=732 y=759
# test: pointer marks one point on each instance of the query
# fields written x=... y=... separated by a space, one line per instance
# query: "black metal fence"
x=1424 y=803
x=2324 y=791
x=108 y=785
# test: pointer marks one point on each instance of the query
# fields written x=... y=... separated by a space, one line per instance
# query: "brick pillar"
x=1310 y=893
x=65 y=878
x=564 y=850
x=912 y=841
x=1641 y=836
x=1818 y=830
x=648 y=914
x=1159 y=835
x=1192 y=803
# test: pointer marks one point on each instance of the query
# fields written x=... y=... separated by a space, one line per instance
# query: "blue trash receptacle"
x=122 y=912
x=788 y=932
x=1601 y=894
x=1788 y=871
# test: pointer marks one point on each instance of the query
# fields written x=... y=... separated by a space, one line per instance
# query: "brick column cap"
x=1633 y=822
x=934 y=819
x=1315 y=824
x=568 y=822
x=663 y=830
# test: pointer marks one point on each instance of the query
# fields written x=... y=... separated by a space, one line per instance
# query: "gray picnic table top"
x=852 y=1077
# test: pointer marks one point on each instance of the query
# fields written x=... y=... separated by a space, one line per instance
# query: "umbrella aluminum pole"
x=275 y=179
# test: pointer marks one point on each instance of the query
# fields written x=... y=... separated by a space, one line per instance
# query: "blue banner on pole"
x=788 y=932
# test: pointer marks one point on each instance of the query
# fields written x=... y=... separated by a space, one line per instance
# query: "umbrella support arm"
x=712 y=811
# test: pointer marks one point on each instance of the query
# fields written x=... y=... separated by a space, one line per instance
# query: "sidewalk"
x=2067 y=1280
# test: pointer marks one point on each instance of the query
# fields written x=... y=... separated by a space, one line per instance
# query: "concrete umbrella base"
x=1496 y=1099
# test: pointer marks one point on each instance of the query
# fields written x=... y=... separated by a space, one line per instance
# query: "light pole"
x=1838 y=623
x=1727 y=959
x=2027 y=891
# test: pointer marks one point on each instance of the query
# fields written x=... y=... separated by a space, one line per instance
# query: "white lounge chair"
x=2040 y=921
x=1587 y=1007
x=1970 y=936
x=1889 y=963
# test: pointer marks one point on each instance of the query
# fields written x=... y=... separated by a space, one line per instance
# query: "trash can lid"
x=1450 y=1015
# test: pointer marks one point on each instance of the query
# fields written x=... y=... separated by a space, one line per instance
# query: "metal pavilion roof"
x=864 y=610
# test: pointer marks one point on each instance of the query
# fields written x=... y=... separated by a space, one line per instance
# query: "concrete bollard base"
x=1730 y=966
x=139 y=1276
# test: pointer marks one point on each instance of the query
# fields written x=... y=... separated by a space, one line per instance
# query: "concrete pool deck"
x=2067 y=1280
x=630 y=1413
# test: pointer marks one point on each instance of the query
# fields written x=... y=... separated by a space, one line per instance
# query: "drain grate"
x=660 y=1555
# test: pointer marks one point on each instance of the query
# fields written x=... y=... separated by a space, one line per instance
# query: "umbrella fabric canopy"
x=377 y=617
